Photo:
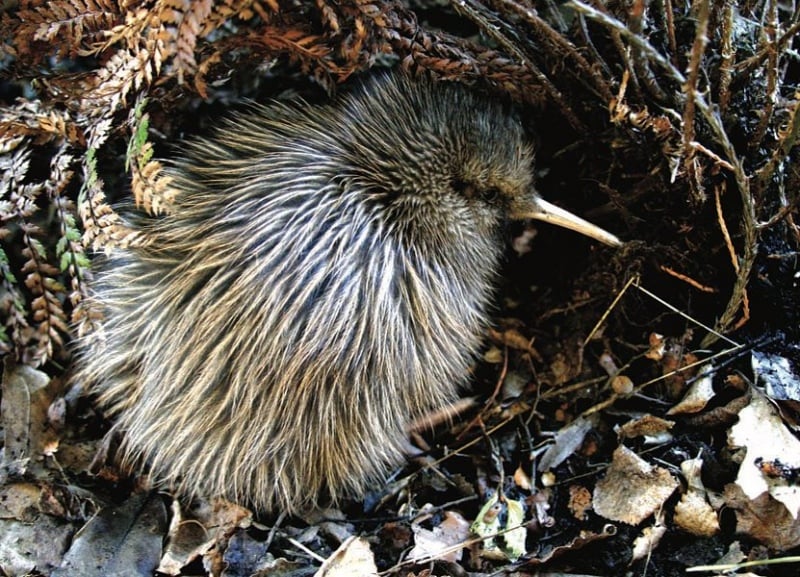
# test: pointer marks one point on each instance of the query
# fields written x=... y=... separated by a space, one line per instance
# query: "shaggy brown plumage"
x=323 y=280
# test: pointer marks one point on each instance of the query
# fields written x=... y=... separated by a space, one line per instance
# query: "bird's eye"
x=490 y=195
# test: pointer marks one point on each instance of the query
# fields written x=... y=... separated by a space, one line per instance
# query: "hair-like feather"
x=323 y=280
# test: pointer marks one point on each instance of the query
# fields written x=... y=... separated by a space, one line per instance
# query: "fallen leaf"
x=26 y=432
x=632 y=489
x=763 y=519
x=765 y=438
x=580 y=501
x=522 y=479
x=567 y=440
x=778 y=376
x=122 y=540
x=649 y=539
x=646 y=426
x=694 y=513
x=441 y=542
x=34 y=547
x=700 y=392
x=491 y=522
x=200 y=532
x=353 y=557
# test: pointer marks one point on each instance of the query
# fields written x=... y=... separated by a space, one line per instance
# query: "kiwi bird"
x=324 y=278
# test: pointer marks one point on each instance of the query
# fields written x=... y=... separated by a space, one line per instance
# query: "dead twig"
x=771 y=70
x=718 y=190
x=688 y=280
x=690 y=166
x=746 y=67
x=498 y=31
x=713 y=155
x=788 y=139
x=714 y=122
x=728 y=54
x=562 y=45
x=641 y=66
x=669 y=20
x=607 y=312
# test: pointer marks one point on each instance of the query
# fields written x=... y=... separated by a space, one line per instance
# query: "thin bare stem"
x=690 y=89
x=670 y=23
x=771 y=69
x=746 y=67
x=544 y=30
x=715 y=125
x=788 y=139
x=493 y=27
x=728 y=54
x=640 y=62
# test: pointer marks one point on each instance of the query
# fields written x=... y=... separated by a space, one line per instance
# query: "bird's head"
x=446 y=163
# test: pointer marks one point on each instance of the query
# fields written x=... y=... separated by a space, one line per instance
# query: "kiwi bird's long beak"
x=540 y=209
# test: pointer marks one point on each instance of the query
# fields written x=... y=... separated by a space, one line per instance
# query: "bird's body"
x=323 y=279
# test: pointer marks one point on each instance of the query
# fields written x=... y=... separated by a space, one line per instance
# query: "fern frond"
x=183 y=22
x=70 y=253
x=29 y=118
x=41 y=334
x=124 y=72
x=49 y=319
x=66 y=29
x=13 y=315
x=103 y=228
x=77 y=27
x=150 y=188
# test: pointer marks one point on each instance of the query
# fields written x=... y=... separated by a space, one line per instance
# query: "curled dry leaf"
x=647 y=426
x=765 y=438
x=200 y=532
x=353 y=557
x=778 y=376
x=522 y=479
x=566 y=442
x=649 y=539
x=494 y=355
x=441 y=542
x=514 y=339
x=699 y=394
x=622 y=385
x=657 y=347
x=632 y=489
x=584 y=539
x=693 y=513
